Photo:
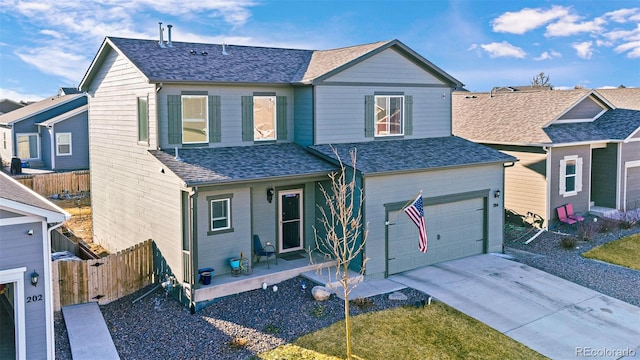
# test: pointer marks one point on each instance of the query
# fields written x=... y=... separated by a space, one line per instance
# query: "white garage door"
x=454 y=230
x=632 y=198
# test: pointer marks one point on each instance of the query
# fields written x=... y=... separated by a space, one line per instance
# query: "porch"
x=289 y=266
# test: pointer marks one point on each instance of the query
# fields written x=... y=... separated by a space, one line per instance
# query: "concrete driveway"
x=552 y=316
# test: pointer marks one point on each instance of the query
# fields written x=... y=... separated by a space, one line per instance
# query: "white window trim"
x=275 y=117
x=37 y=144
x=563 y=175
x=228 y=217
x=206 y=118
x=16 y=276
x=58 y=153
x=402 y=109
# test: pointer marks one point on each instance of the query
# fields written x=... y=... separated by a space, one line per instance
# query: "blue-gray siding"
x=303 y=116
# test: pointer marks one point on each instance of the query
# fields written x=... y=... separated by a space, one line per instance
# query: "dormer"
x=587 y=109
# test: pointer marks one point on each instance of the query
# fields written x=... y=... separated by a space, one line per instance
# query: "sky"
x=48 y=44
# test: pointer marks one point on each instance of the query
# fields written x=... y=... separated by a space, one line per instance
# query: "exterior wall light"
x=269 y=194
x=496 y=194
x=34 y=278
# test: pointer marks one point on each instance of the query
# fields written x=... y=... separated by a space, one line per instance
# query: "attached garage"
x=456 y=228
x=632 y=186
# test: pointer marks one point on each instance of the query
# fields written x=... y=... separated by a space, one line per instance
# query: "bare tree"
x=541 y=80
x=342 y=236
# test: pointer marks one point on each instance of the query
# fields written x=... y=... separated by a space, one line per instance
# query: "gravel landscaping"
x=157 y=327
x=240 y=326
x=547 y=253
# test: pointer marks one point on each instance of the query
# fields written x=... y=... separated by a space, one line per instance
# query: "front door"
x=290 y=220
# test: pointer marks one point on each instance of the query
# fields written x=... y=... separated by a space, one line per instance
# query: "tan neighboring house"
x=574 y=146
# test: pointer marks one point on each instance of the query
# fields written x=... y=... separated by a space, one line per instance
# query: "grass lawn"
x=622 y=252
x=436 y=331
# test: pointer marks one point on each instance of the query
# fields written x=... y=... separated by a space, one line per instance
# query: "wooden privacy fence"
x=57 y=183
x=103 y=280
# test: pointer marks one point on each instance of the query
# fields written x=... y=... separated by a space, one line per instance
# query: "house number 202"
x=34 y=298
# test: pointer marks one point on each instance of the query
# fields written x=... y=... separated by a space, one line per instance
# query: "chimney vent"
x=161 y=42
x=224 y=49
x=169 y=43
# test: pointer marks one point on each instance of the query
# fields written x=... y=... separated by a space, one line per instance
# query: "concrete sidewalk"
x=553 y=316
x=89 y=337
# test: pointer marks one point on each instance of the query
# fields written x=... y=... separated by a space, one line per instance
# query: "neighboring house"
x=49 y=134
x=574 y=146
x=200 y=146
x=26 y=310
x=7 y=105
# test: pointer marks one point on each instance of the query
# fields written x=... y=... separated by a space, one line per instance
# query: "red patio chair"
x=571 y=214
x=562 y=215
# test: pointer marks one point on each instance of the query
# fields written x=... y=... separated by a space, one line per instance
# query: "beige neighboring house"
x=574 y=146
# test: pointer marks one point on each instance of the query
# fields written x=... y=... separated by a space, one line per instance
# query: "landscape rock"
x=397 y=296
x=320 y=293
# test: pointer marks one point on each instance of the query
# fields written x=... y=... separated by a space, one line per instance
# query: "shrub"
x=362 y=303
x=270 y=329
x=317 y=311
x=607 y=225
x=587 y=230
x=568 y=242
x=629 y=219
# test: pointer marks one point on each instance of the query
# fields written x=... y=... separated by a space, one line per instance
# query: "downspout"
x=157 y=112
x=193 y=246
x=53 y=148
x=548 y=183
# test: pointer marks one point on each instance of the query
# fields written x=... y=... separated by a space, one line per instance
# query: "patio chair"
x=562 y=216
x=571 y=214
x=266 y=251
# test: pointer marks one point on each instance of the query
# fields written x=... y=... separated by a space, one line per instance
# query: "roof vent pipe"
x=177 y=156
x=161 y=42
x=169 y=43
x=224 y=49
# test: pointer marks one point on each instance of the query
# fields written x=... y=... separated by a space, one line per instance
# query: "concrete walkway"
x=552 y=316
x=89 y=337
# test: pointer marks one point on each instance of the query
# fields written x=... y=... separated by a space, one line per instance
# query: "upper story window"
x=195 y=126
x=143 y=119
x=264 y=117
x=389 y=115
x=194 y=118
x=63 y=144
x=570 y=175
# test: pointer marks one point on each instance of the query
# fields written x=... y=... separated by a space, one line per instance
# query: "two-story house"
x=200 y=146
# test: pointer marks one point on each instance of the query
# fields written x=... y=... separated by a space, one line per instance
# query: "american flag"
x=416 y=213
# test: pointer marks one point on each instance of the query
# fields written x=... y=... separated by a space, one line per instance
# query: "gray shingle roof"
x=242 y=163
x=12 y=190
x=36 y=108
x=415 y=154
x=616 y=124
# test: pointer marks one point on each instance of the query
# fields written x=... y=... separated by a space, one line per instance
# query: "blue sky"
x=46 y=44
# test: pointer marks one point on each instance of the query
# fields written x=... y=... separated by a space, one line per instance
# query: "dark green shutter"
x=408 y=115
x=247 y=118
x=175 y=118
x=281 y=117
x=215 y=133
x=369 y=121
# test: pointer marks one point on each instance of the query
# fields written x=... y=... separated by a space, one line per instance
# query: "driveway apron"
x=553 y=316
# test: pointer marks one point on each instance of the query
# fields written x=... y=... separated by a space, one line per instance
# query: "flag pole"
x=386 y=223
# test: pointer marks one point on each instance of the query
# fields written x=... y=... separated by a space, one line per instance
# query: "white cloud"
x=52 y=33
x=633 y=48
x=18 y=96
x=584 y=49
x=56 y=61
x=527 y=19
x=503 y=49
x=548 y=55
x=624 y=34
x=623 y=15
x=569 y=25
